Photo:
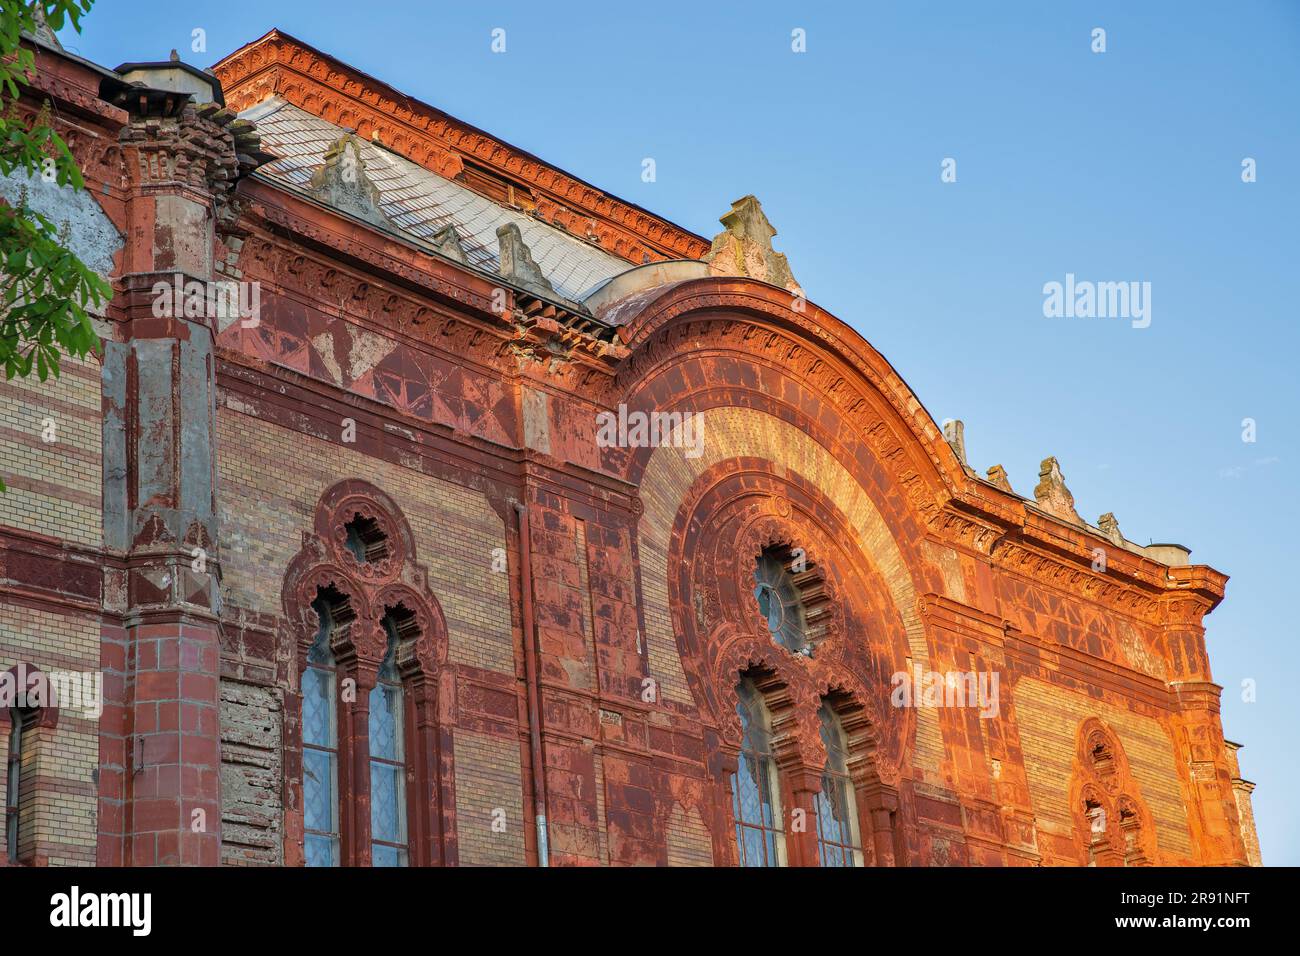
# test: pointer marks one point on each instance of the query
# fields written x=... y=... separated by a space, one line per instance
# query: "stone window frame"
x=771 y=769
x=721 y=636
x=854 y=847
x=793 y=704
x=367 y=592
x=876 y=796
x=818 y=592
x=1113 y=826
x=34 y=725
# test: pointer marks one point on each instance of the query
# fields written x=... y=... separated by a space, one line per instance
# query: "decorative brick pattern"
x=688 y=840
x=270 y=482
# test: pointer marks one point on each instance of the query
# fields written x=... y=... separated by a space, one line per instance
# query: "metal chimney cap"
x=174 y=77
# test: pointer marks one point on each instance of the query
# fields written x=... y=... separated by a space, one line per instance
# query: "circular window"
x=781 y=602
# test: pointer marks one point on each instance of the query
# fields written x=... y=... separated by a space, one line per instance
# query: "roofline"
x=418 y=106
x=102 y=70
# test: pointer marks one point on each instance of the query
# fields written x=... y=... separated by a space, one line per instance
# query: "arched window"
x=779 y=601
x=21 y=719
x=1136 y=851
x=388 y=839
x=376 y=785
x=1112 y=822
x=365 y=539
x=320 y=747
x=755 y=788
x=839 y=842
x=793 y=597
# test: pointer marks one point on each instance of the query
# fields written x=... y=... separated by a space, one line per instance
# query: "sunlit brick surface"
x=406 y=444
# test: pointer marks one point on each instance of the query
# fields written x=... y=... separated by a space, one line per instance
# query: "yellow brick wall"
x=63 y=819
x=270 y=482
x=55 y=488
x=489 y=778
x=1048 y=719
x=689 y=843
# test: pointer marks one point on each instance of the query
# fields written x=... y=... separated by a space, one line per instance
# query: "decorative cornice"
x=942 y=611
x=831 y=360
x=525 y=331
x=279 y=65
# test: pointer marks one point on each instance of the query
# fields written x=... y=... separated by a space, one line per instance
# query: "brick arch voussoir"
x=22 y=679
x=1092 y=731
x=867 y=465
x=340 y=503
x=324 y=561
x=739 y=654
x=818 y=351
x=877 y=731
x=764 y=507
x=302 y=585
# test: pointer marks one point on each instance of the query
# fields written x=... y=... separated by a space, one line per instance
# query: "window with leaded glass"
x=839 y=842
x=755 y=790
x=387 y=761
x=779 y=601
x=320 y=748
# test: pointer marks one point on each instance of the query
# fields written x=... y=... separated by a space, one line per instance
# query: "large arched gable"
x=813 y=430
x=848 y=386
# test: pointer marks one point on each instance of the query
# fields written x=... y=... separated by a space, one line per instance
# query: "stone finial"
x=517 y=264
x=998 y=476
x=447 y=241
x=954 y=433
x=42 y=30
x=1052 y=495
x=744 y=248
x=343 y=184
x=1110 y=528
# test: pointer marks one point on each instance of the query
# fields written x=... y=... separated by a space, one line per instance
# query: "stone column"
x=879 y=821
x=1197 y=729
x=804 y=785
x=160 y=786
x=1200 y=734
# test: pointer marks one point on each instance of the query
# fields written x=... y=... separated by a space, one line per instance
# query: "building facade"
x=430 y=506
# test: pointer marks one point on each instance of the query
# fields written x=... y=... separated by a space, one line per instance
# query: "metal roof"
x=421 y=202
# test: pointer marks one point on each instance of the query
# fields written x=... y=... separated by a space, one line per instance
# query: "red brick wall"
x=641 y=563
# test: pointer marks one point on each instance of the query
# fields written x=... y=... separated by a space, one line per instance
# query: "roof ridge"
x=280 y=64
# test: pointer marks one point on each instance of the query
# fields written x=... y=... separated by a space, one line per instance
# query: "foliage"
x=45 y=290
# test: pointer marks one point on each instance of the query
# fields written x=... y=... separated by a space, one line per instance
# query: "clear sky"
x=1117 y=166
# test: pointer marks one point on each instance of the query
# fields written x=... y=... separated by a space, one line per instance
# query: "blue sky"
x=1118 y=166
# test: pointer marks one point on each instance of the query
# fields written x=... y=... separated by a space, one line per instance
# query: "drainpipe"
x=530 y=675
